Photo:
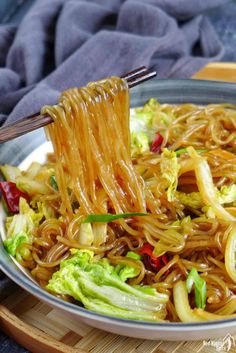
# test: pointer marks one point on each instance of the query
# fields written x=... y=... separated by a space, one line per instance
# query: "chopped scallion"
x=133 y=255
x=53 y=182
x=110 y=217
x=199 y=288
x=184 y=150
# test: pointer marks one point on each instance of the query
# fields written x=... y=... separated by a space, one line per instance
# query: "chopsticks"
x=37 y=120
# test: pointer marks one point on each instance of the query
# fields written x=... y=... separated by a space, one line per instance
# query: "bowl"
x=15 y=152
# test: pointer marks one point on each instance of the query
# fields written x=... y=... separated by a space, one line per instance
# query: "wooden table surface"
x=218 y=71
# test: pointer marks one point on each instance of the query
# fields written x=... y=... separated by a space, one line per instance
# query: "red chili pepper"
x=156 y=143
x=152 y=262
x=146 y=249
x=11 y=195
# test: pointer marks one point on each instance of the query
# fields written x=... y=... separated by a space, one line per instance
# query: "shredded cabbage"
x=10 y=172
x=101 y=288
x=226 y=195
x=169 y=172
x=33 y=179
x=206 y=186
x=144 y=123
x=20 y=226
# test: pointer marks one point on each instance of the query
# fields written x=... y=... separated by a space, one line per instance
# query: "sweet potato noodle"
x=191 y=223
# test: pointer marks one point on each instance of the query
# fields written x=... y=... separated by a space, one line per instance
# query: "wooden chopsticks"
x=37 y=120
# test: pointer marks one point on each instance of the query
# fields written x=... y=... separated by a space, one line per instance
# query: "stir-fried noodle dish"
x=130 y=216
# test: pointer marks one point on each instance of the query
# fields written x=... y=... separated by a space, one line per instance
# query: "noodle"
x=96 y=175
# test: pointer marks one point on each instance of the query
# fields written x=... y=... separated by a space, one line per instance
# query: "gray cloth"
x=64 y=43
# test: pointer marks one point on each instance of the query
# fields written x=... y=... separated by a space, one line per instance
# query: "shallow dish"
x=169 y=91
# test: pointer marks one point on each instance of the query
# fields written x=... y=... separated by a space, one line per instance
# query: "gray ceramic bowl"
x=166 y=91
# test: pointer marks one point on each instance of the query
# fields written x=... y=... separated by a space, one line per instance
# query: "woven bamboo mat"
x=69 y=336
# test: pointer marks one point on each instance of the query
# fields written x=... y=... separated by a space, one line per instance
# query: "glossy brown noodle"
x=95 y=174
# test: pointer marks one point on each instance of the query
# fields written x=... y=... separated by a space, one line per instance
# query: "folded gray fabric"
x=64 y=43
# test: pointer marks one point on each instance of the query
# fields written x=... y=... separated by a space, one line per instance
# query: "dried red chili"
x=11 y=195
x=156 y=143
x=152 y=262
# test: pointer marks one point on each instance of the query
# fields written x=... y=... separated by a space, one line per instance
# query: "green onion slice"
x=53 y=182
x=104 y=218
x=199 y=288
x=184 y=150
x=133 y=255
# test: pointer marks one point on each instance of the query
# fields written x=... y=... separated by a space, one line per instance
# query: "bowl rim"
x=14 y=273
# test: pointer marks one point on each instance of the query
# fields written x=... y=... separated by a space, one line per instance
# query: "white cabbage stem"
x=183 y=309
x=186 y=313
x=206 y=186
x=230 y=252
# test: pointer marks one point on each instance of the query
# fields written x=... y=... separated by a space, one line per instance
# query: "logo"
x=221 y=344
